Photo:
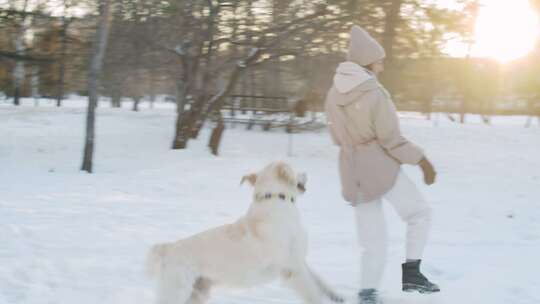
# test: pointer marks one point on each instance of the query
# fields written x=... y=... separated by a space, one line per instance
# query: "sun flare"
x=505 y=30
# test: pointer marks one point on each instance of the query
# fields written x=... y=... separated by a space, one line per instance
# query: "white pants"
x=413 y=210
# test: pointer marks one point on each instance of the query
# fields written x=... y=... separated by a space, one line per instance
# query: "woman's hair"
x=369 y=67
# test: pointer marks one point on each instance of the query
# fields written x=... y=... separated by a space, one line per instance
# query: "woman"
x=364 y=123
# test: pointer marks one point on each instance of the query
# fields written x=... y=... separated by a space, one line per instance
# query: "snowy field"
x=75 y=238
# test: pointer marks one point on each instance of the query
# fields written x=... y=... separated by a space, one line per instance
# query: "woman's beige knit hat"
x=363 y=49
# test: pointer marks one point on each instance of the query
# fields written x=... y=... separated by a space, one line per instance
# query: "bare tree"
x=100 y=44
x=269 y=43
x=18 y=72
x=65 y=21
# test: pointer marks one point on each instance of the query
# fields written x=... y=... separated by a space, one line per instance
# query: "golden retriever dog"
x=265 y=244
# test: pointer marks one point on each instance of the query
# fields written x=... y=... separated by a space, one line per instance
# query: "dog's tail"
x=155 y=259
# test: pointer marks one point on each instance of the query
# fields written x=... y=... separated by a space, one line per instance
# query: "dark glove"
x=428 y=170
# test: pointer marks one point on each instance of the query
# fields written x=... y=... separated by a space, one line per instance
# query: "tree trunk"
x=532 y=111
x=215 y=137
x=392 y=19
x=136 y=101
x=205 y=95
x=273 y=85
x=35 y=84
x=466 y=97
x=180 y=140
x=18 y=72
x=391 y=22
x=463 y=113
x=100 y=43
x=152 y=90
x=62 y=67
x=197 y=123
x=116 y=96
x=17 y=96
x=183 y=127
x=430 y=90
x=188 y=72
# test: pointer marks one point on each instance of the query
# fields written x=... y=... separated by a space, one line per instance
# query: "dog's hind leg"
x=201 y=291
x=175 y=287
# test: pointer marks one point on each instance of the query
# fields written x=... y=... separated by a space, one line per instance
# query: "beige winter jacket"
x=363 y=122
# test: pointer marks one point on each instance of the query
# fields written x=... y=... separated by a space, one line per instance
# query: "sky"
x=505 y=30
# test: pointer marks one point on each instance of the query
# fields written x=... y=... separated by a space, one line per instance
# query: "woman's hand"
x=428 y=170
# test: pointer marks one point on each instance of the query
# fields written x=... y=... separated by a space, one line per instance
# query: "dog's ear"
x=285 y=174
x=251 y=178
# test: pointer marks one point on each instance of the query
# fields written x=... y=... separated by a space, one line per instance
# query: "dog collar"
x=268 y=195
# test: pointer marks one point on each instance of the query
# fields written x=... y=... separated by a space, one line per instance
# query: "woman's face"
x=377 y=67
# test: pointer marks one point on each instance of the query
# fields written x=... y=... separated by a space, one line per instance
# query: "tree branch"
x=19 y=57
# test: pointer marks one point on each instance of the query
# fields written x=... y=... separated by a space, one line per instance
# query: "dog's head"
x=277 y=177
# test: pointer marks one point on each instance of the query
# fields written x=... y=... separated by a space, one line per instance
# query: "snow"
x=71 y=237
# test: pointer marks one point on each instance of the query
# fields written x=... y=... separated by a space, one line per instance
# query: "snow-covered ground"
x=72 y=237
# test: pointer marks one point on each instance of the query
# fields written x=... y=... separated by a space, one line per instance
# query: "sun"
x=505 y=30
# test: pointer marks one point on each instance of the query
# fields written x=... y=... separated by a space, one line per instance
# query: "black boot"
x=414 y=280
x=369 y=296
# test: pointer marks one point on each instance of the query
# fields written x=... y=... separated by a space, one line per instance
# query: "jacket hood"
x=352 y=80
